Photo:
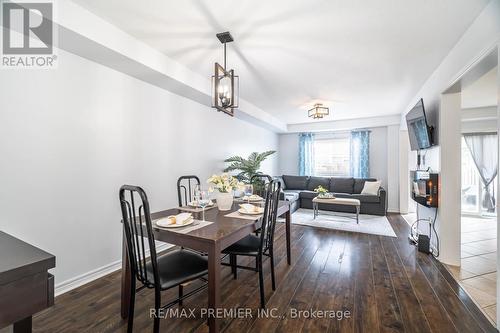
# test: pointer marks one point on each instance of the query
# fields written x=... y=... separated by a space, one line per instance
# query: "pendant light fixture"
x=225 y=85
x=318 y=111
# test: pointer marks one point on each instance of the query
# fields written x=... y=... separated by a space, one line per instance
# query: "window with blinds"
x=332 y=156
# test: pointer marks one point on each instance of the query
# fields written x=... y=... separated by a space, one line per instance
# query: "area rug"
x=368 y=224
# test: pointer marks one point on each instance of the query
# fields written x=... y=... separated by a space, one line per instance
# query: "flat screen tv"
x=419 y=131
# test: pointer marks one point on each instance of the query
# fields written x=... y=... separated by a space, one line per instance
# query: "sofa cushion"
x=296 y=182
x=359 y=183
x=291 y=195
x=308 y=194
x=343 y=195
x=314 y=182
x=365 y=198
x=341 y=185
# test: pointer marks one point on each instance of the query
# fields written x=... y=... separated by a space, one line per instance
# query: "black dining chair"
x=185 y=194
x=185 y=189
x=259 y=182
x=161 y=272
x=259 y=246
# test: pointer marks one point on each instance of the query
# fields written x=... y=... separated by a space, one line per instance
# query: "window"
x=332 y=156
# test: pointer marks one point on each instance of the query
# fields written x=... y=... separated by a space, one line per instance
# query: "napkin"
x=178 y=219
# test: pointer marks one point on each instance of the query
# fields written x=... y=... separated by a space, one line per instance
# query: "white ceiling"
x=363 y=58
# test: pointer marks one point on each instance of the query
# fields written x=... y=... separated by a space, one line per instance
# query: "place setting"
x=199 y=204
x=249 y=196
x=247 y=211
x=185 y=222
x=182 y=223
x=196 y=207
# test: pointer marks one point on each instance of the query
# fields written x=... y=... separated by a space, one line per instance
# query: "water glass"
x=248 y=190
x=203 y=200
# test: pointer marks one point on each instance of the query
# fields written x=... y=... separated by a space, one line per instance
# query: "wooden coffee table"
x=336 y=201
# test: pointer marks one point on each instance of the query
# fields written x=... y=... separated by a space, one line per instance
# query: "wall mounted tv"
x=419 y=131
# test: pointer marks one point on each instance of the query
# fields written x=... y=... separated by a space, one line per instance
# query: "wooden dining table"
x=211 y=239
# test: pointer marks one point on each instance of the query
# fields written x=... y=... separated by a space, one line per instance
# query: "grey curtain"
x=484 y=150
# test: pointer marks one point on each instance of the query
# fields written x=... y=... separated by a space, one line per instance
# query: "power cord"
x=435 y=233
x=432 y=227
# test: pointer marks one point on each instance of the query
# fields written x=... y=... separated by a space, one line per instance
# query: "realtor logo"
x=28 y=34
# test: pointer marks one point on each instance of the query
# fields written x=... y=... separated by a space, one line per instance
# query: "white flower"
x=224 y=182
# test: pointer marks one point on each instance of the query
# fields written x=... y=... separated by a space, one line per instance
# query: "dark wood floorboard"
x=382 y=283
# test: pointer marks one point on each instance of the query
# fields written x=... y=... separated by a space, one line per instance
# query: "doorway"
x=477 y=272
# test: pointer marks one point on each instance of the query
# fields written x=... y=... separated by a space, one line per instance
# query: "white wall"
x=383 y=158
x=404 y=174
x=378 y=154
x=481 y=36
x=392 y=170
x=70 y=137
x=288 y=163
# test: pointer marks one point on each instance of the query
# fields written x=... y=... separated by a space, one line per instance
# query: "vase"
x=224 y=201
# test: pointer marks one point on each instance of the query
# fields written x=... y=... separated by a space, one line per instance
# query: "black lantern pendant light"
x=318 y=111
x=225 y=84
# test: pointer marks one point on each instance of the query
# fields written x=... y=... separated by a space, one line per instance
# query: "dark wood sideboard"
x=26 y=286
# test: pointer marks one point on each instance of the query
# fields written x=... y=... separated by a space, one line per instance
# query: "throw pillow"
x=371 y=188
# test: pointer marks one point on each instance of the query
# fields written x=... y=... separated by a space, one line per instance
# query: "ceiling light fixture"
x=318 y=111
x=225 y=85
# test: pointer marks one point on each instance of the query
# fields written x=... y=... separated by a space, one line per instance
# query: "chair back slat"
x=273 y=189
x=138 y=233
x=185 y=189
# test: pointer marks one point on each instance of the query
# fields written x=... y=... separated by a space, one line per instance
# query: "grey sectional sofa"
x=299 y=190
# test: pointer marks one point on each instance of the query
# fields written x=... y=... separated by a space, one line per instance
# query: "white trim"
x=392 y=210
x=85 y=278
x=95 y=274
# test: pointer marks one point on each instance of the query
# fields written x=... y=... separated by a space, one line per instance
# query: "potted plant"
x=247 y=166
x=225 y=185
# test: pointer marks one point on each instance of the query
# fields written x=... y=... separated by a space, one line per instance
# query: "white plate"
x=244 y=212
x=191 y=204
x=173 y=225
x=252 y=200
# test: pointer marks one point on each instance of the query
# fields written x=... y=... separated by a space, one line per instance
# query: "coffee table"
x=336 y=201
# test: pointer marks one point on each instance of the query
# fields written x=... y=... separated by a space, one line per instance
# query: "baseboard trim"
x=95 y=274
x=394 y=210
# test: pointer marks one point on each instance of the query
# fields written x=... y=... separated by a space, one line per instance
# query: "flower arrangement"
x=323 y=193
x=224 y=183
x=321 y=190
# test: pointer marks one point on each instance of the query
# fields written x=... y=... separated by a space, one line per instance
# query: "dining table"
x=210 y=239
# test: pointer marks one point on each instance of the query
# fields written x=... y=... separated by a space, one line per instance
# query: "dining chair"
x=185 y=194
x=185 y=189
x=260 y=181
x=158 y=272
x=259 y=246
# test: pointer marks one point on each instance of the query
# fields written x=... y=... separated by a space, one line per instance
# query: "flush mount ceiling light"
x=318 y=111
x=225 y=85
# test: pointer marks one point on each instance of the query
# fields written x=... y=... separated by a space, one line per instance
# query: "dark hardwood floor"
x=382 y=282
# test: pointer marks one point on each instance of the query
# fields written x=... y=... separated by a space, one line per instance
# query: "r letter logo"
x=28 y=35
